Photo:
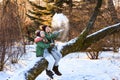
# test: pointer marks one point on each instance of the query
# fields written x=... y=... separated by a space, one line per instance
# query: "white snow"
x=75 y=66
x=60 y=21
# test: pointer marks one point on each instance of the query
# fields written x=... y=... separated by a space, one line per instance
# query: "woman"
x=53 y=50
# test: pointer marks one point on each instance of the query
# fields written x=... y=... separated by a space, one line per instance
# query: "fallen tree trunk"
x=36 y=69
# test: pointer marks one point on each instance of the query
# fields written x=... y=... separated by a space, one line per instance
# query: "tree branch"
x=100 y=35
x=80 y=40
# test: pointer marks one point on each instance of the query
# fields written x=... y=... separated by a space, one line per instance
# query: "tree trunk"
x=36 y=70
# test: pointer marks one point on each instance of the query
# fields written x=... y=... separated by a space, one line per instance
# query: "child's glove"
x=52 y=44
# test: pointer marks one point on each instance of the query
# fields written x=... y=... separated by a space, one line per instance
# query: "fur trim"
x=38 y=39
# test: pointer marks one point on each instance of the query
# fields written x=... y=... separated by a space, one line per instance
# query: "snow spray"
x=60 y=21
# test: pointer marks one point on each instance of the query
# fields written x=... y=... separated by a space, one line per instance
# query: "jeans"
x=53 y=58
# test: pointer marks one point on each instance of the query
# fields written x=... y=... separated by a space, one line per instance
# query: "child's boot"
x=49 y=73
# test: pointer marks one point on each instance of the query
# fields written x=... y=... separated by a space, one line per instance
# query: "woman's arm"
x=52 y=35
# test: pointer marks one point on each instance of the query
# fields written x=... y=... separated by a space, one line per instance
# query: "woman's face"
x=42 y=34
x=48 y=29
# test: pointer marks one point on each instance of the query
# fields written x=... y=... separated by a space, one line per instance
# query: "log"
x=36 y=69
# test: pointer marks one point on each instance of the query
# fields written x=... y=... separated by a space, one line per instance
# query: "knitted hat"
x=37 y=32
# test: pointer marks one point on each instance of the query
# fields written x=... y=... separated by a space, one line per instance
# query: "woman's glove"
x=61 y=30
x=57 y=32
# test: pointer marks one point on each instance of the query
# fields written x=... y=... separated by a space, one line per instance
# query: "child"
x=41 y=50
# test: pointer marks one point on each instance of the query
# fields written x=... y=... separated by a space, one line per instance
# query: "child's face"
x=42 y=34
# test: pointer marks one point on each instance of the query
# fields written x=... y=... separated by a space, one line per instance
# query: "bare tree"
x=9 y=29
x=22 y=16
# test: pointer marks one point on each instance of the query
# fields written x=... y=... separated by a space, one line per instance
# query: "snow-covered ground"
x=75 y=66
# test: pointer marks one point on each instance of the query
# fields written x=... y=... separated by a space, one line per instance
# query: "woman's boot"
x=55 y=69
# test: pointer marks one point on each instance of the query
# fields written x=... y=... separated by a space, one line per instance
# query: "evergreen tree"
x=42 y=15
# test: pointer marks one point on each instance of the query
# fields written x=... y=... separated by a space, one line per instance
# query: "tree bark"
x=36 y=69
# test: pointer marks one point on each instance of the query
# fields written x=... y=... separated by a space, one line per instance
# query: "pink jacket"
x=38 y=39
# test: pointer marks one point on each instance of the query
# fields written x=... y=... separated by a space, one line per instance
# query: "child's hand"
x=52 y=44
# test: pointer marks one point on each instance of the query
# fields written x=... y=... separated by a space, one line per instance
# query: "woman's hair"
x=44 y=27
x=37 y=32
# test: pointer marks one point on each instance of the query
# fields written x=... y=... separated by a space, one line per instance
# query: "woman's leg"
x=51 y=63
x=50 y=59
x=57 y=56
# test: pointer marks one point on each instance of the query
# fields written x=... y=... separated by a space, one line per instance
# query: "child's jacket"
x=40 y=46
